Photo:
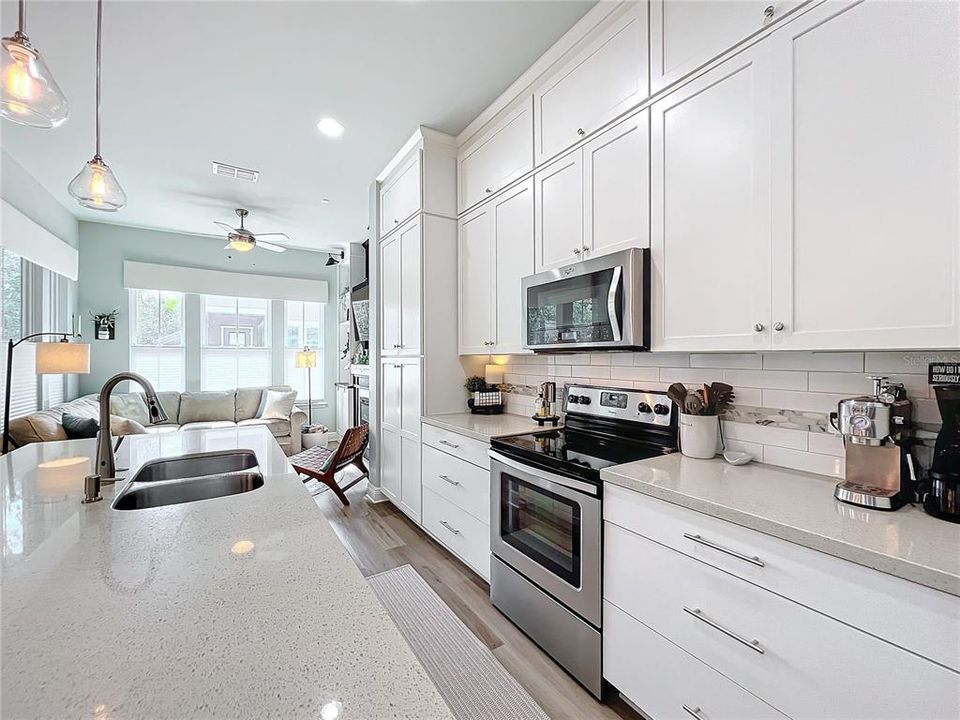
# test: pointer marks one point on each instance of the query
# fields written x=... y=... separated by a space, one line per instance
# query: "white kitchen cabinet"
x=558 y=230
x=390 y=467
x=502 y=154
x=410 y=500
x=390 y=295
x=606 y=76
x=687 y=34
x=477 y=281
x=866 y=177
x=616 y=187
x=400 y=195
x=496 y=252
x=710 y=210
x=400 y=290
x=400 y=427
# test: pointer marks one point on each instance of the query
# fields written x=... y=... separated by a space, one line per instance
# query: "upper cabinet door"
x=476 y=281
x=503 y=154
x=866 y=213
x=710 y=214
x=616 y=186
x=558 y=230
x=400 y=196
x=390 y=296
x=607 y=78
x=687 y=34
x=410 y=292
x=513 y=237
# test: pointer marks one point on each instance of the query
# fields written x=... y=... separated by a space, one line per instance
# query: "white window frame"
x=267 y=349
x=182 y=346
x=319 y=373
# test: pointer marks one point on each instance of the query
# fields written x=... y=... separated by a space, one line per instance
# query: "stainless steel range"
x=546 y=517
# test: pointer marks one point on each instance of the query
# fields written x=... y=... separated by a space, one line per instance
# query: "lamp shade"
x=306 y=358
x=493 y=374
x=55 y=358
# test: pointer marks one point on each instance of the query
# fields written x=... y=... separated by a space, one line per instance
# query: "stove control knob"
x=660 y=409
x=573 y=399
x=643 y=409
x=584 y=400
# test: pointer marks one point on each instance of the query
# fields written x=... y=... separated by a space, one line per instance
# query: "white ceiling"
x=186 y=83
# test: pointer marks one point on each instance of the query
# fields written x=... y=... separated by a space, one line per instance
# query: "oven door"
x=595 y=303
x=547 y=527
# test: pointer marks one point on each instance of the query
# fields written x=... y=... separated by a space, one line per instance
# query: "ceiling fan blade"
x=227 y=247
x=224 y=226
x=270 y=246
x=260 y=235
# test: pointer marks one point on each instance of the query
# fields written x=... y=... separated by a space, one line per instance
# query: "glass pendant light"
x=95 y=186
x=28 y=93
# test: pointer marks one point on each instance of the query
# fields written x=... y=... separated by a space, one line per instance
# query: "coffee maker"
x=942 y=491
x=880 y=468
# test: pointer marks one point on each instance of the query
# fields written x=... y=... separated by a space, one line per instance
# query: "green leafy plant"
x=475 y=383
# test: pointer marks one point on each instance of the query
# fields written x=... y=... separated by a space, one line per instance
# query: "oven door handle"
x=532 y=472
x=612 y=302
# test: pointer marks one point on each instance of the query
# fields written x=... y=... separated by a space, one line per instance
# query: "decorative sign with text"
x=943 y=373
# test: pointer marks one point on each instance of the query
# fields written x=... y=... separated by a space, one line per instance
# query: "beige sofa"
x=185 y=411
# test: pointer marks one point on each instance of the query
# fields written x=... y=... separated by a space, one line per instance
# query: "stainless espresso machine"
x=880 y=468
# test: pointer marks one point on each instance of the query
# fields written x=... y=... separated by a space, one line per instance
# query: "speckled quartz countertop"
x=245 y=606
x=484 y=427
x=800 y=507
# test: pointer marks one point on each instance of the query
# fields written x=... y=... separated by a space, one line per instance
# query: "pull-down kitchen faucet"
x=106 y=467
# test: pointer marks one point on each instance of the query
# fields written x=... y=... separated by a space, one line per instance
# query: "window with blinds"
x=157 y=338
x=235 y=342
x=303 y=327
x=23 y=383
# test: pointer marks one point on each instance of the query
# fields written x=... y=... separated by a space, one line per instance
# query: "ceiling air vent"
x=237 y=173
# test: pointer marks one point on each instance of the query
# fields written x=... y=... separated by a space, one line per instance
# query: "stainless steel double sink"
x=188 y=478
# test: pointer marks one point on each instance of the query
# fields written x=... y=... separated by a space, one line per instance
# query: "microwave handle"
x=612 y=302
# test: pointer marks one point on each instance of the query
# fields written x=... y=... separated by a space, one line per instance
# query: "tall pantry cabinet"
x=419 y=371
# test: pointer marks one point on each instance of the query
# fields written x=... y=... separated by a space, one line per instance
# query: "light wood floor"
x=379 y=537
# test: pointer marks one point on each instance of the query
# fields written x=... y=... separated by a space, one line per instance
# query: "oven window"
x=542 y=525
x=572 y=310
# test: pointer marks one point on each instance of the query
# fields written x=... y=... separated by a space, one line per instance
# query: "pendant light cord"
x=23 y=15
x=99 y=23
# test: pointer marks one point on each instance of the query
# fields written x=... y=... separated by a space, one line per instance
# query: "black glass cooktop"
x=577 y=453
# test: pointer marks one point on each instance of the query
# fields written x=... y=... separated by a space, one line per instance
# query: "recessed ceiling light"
x=330 y=127
x=324 y=201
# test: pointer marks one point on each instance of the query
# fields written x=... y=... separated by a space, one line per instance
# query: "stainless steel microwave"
x=603 y=302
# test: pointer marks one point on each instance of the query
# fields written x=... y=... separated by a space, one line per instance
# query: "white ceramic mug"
x=698 y=435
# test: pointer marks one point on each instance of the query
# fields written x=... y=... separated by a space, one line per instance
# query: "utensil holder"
x=698 y=435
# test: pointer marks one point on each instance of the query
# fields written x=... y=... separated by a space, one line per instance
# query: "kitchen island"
x=238 y=606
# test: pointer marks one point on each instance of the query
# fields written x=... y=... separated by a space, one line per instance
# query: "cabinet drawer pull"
x=758 y=327
x=692 y=712
x=449 y=444
x=577 y=251
x=449 y=527
x=488 y=190
x=768 y=12
x=447 y=478
x=581 y=132
x=720 y=548
x=778 y=326
x=396 y=222
x=752 y=644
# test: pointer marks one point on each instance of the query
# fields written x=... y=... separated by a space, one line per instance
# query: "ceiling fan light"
x=240 y=245
x=28 y=93
x=97 y=188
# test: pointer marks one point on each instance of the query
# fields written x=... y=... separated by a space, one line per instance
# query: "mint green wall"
x=103 y=248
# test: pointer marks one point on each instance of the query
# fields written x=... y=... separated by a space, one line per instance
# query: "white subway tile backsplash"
x=634 y=373
x=600 y=358
x=825 y=444
x=559 y=371
x=775 y=379
x=805 y=461
x=795 y=360
x=668 y=359
x=621 y=358
x=690 y=376
x=593 y=371
x=745 y=361
x=907 y=362
x=748 y=396
x=766 y=435
x=858 y=384
x=802 y=401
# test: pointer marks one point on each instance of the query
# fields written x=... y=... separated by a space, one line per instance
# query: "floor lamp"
x=53 y=358
x=307 y=358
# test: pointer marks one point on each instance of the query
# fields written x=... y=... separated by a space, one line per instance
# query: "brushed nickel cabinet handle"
x=692 y=712
x=758 y=327
x=581 y=132
x=447 y=479
x=768 y=12
x=720 y=548
x=752 y=644
x=778 y=326
x=449 y=444
x=487 y=190
x=449 y=527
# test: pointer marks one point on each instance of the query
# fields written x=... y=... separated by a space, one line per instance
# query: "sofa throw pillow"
x=76 y=426
x=277 y=404
x=207 y=406
x=120 y=426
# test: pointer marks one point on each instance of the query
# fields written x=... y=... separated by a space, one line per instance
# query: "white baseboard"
x=375 y=494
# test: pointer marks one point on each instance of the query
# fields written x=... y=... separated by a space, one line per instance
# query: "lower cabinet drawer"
x=464 y=484
x=466 y=448
x=797 y=660
x=459 y=531
x=666 y=682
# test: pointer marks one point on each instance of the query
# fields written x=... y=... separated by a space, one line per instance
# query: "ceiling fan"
x=242 y=240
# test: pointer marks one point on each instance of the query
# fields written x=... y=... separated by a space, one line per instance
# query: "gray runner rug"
x=470 y=679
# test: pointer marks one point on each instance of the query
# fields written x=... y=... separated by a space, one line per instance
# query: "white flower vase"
x=698 y=435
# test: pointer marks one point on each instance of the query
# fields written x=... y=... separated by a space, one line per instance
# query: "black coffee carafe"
x=942 y=498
